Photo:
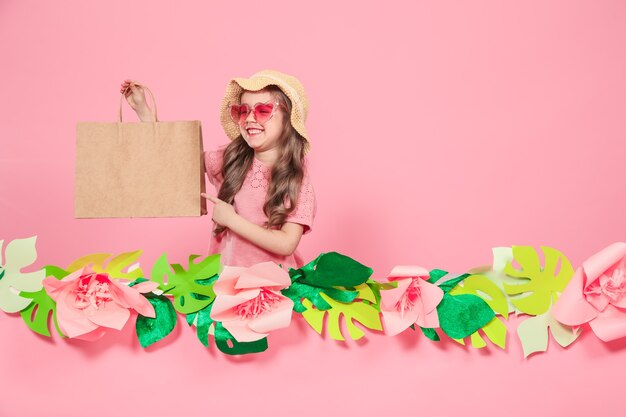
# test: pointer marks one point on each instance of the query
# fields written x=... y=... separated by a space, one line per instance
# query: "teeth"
x=254 y=131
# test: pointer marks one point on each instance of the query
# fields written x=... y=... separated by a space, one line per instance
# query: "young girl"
x=265 y=201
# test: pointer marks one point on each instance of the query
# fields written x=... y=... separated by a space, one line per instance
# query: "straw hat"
x=289 y=85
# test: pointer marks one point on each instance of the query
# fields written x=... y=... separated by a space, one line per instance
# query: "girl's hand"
x=136 y=98
x=223 y=212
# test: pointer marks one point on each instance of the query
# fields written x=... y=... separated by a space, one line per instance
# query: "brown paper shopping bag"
x=139 y=169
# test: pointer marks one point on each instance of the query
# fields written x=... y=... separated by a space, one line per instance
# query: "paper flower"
x=597 y=294
x=249 y=303
x=414 y=301
x=88 y=303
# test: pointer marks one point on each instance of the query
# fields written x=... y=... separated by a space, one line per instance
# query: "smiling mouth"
x=254 y=132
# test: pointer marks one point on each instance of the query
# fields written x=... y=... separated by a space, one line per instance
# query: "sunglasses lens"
x=239 y=112
x=262 y=112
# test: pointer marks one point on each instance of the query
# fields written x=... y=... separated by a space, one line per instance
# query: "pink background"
x=439 y=130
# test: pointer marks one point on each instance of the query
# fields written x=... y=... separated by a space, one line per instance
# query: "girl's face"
x=261 y=137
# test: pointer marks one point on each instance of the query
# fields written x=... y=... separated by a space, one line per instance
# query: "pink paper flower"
x=596 y=294
x=414 y=301
x=89 y=302
x=249 y=303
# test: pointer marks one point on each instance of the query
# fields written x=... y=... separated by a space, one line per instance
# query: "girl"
x=265 y=201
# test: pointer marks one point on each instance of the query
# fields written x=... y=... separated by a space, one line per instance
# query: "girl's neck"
x=268 y=157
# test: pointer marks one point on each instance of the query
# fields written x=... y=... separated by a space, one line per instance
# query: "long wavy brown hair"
x=286 y=175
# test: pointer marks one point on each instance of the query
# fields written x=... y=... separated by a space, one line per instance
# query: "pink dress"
x=238 y=251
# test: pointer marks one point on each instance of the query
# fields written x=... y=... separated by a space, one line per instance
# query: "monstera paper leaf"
x=123 y=266
x=20 y=253
x=533 y=333
x=191 y=287
x=539 y=287
x=361 y=310
x=502 y=255
x=37 y=314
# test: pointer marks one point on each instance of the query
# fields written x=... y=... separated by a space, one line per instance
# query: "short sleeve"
x=306 y=206
x=213 y=165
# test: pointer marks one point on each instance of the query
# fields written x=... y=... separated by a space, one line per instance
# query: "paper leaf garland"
x=359 y=310
x=329 y=290
x=538 y=286
x=20 y=253
x=189 y=287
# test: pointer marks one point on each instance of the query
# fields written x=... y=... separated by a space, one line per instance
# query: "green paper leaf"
x=151 y=330
x=192 y=288
x=332 y=270
x=203 y=321
x=223 y=338
x=377 y=287
x=430 y=333
x=55 y=271
x=483 y=287
x=332 y=274
x=462 y=315
x=137 y=281
x=37 y=314
x=451 y=283
x=224 y=341
x=538 y=287
x=436 y=275
x=360 y=311
x=298 y=291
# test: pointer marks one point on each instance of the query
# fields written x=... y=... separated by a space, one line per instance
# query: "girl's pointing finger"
x=209 y=197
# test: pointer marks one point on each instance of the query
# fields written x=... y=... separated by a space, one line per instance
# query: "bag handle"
x=151 y=96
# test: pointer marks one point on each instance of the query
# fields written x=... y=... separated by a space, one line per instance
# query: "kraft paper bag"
x=139 y=169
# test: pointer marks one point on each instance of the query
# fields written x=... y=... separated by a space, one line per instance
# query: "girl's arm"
x=281 y=242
